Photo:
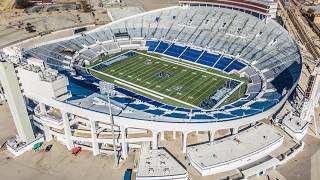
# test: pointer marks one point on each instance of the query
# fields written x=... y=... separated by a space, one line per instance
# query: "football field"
x=170 y=81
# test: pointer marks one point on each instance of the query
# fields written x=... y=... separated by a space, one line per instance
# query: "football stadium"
x=181 y=69
x=177 y=64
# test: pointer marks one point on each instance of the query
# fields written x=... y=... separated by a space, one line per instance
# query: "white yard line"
x=187 y=65
x=143 y=89
x=133 y=87
x=166 y=68
x=206 y=91
x=199 y=89
x=158 y=94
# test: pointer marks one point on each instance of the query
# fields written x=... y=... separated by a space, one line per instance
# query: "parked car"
x=127 y=174
x=48 y=148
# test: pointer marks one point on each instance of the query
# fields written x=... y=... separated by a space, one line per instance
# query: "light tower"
x=107 y=88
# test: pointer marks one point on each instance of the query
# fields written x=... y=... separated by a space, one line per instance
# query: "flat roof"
x=231 y=148
x=158 y=163
x=295 y=123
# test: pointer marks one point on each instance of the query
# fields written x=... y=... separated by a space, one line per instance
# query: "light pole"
x=107 y=88
x=2 y=98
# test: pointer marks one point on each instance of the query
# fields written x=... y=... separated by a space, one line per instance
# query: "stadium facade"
x=225 y=40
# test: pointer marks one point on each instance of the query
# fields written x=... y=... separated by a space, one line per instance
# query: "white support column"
x=234 y=130
x=124 y=145
x=184 y=142
x=47 y=134
x=95 y=145
x=162 y=135
x=42 y=107
x=196 y=133
x=154 y=139
x=67 y=130
x=174 y=134
x=211 y=137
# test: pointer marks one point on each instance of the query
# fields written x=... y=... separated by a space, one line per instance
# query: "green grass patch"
x=183 y=86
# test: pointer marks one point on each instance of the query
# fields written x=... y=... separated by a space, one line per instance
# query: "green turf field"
x=170 y=81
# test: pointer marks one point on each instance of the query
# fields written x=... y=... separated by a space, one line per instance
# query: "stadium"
x=178 y=69
x=265 y=58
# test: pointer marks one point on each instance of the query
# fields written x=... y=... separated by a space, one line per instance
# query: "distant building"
x=21 y=4
x=314 y=13
x=316 y=18
x=261 y=9
x=315 y=2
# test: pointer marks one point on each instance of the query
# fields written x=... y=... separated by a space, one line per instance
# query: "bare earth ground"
x=306 y=164
x=7 y=128
x=6 y=4
x=60 y=164
x=148 y=5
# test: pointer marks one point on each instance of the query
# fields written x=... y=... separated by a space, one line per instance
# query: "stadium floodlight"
x=107 y=88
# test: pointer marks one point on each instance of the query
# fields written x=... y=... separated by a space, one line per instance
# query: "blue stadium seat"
x=183 y=109
x=227 y=107
x=244 y=112
x=125 y=92
x=176 y=115
x=168 y=107
x=143 y=99
x=122 y=100
x=155 y=112
x=174 y=50
x=191 y=54
x=208 y=59
x=138 y=106
x=155 y=103
x=152 y=45
x=223 y=63
x=201 y=116
x=235 y=65
x=196 y=110
x=161 y=47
